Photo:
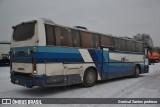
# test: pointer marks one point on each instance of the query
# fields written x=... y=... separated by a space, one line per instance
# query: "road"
x=146 y=86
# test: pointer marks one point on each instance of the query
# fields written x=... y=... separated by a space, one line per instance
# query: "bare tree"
x=145 y=38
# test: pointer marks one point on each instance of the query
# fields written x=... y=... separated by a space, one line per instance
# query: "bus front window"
x=24 y=31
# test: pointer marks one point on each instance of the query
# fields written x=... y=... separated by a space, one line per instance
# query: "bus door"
x=104 y=65
x=55 y=73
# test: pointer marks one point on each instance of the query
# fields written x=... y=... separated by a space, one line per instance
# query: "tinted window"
x=86 y=39
x=63 y=36
x=89 y=40
x=120 y=44
x=24 y=31
x=50 y=35
x=139 y=47
x=95 y=41
x=130 y=45
x=107 y=41
x=75 y=38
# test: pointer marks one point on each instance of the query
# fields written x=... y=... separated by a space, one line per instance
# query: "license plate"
x=22 y=69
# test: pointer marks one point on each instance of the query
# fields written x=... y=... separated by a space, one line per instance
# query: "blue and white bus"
x=47 y=54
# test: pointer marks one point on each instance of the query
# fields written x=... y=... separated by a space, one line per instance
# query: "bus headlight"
x=35 y=72
x=34 y=68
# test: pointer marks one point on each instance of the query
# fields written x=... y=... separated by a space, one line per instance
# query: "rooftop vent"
x=81 y=27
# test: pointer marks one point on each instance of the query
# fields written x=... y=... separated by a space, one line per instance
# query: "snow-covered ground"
x=146 y=86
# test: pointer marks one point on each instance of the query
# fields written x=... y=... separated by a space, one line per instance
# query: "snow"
x=146 y=86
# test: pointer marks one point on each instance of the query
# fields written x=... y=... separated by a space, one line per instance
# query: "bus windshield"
x=24 y=31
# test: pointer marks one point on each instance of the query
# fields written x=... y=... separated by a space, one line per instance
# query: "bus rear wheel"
x=136 y=72
x=89 y=78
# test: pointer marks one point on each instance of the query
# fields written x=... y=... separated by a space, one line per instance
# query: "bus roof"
x=48 y=21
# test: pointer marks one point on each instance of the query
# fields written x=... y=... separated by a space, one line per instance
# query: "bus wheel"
x=89 y=78
x=136 y=72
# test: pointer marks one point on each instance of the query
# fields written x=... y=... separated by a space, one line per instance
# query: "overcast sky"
x=116 y=17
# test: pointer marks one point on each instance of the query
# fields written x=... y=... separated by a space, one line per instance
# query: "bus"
x=4 y=53
x=44 y=53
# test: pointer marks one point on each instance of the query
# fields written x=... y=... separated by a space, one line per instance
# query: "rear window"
x=24 y=31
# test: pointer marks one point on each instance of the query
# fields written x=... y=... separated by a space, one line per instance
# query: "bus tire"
x=136 y=72
x=90 y=77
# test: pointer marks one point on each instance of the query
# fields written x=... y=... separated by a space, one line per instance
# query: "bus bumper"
x=28 y=81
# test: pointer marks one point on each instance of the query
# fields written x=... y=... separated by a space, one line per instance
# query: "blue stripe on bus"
x=51 y=49
x=41 y=57
x=47 y=54
x=57 y=49
x=56 y=55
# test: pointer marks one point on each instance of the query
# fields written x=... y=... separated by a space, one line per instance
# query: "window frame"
x=54 y=36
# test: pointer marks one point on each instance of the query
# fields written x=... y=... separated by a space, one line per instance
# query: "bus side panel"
x=123 y=64
x=92 y=58
x=54 y=73
x=115 y=65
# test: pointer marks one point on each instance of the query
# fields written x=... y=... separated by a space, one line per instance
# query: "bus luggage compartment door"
x=55 y=73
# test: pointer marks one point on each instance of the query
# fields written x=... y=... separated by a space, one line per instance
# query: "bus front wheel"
x=136 y=72
x=89 y=78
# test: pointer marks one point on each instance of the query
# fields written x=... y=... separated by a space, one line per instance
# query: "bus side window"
x=139 y=47
x=86 y=39
x=120 y=44
x=66 y=39
x=130 y=46
x=107 y=41
x=75 y=38
x=50 y=35
x=63 y=36
x=95 y=41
